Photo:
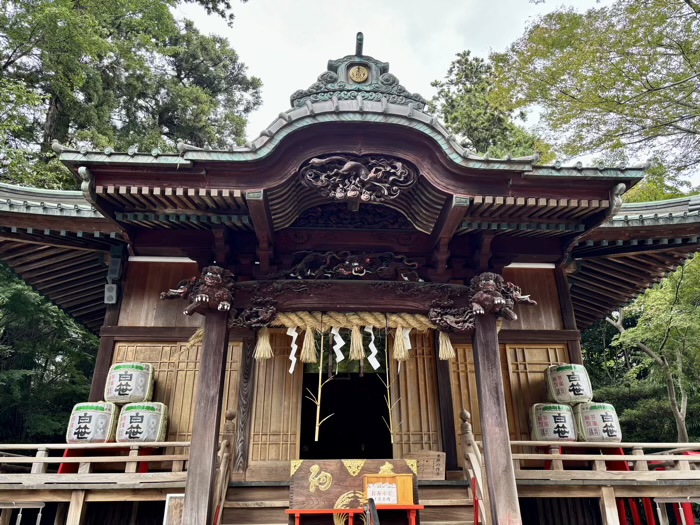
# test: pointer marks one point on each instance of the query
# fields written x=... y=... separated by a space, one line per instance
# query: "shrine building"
x=373 y=311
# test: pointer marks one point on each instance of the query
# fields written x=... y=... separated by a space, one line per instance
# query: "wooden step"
x=283 y=503
x=446 y=503
x=466 y=522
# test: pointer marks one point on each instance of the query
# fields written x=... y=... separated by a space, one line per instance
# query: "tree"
x=46 y=359
x=118 y=74
x=667 y=334
x=464 y=104
x=659 y=184
x=623 y=77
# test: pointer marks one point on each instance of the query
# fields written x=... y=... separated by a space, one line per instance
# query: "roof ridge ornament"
x=356 y=77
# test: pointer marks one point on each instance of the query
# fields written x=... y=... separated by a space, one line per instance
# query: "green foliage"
x=17 y=164
x=645 y=413
x=464 y=103
x=45 y=362
x=113 y=73
x=659 y=184
x=669 y=320
x=618 y=77
x=650 y=351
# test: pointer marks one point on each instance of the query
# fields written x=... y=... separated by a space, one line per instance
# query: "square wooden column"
x=201 y=474
x=500 y=475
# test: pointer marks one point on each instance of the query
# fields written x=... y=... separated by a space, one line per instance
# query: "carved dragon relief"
x=385 y=266
x=488 y=293
x=362 y=179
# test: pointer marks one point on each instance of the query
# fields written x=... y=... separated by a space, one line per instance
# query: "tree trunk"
x=678 y=415
x=55 y=125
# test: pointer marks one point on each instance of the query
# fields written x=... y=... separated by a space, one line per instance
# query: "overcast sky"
x=287 y=43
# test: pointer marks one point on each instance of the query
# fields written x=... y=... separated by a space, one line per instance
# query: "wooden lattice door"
x=275 y=415
x=416 y=414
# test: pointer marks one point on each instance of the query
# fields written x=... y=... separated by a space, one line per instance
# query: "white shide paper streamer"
x=339 y=343
x=372 y=357
x=292 y=332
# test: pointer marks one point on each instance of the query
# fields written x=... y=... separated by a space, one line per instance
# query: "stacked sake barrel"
x=129 y=386
x=571 y=413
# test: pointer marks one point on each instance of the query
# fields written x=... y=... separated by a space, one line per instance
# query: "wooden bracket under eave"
x=482 y=251
x=451 y=215
x=87 y=186
x=259 y=210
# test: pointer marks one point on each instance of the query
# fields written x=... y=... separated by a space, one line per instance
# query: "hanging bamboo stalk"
x=316 y=399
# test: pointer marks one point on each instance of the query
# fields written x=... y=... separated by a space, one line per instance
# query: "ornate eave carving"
x=369 y=178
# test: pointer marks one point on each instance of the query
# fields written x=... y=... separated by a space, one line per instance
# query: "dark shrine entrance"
x=356 y=396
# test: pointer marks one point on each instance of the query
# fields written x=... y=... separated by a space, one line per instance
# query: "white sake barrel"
x=597 y=422
x=142 y=422
x=129 y=383
x=552 y=422
x=92 y=423
x=568 y=384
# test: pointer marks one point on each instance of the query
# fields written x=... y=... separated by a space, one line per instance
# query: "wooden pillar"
x=567 y=314
x=447 y=420
x=199 y=490
x=5 y=516
x=500 y=475
x=608 y=506
x=245 y=406
x=61 y=513
x=76 y=508
x=104 y=355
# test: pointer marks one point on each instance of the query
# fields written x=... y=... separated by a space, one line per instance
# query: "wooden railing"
x=608 y=471
x=103 y=465
x=601 y=462
x=475 y=471
x=223 y=472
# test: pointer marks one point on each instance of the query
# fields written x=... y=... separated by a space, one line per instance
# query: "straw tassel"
x=357 y=351
x=196 y=339
x=446 y=349
x=400 y=351
x=308 y=349
x=263 y=348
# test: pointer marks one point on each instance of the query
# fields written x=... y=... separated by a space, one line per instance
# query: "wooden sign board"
x=338 y=484
x=395 y=489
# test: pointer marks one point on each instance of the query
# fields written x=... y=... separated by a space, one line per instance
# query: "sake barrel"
x=552 y=422
x=568 y=384
x=597 y=422
x=142 y=422
x=92 y=423
x=129 y=383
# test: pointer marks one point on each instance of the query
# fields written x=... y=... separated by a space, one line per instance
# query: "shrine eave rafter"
x=631 y=252
x=59 y=244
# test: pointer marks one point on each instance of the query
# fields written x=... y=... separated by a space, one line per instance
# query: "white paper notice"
x=383 y=493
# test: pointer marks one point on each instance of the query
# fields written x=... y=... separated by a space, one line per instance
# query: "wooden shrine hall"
x=367 y=299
